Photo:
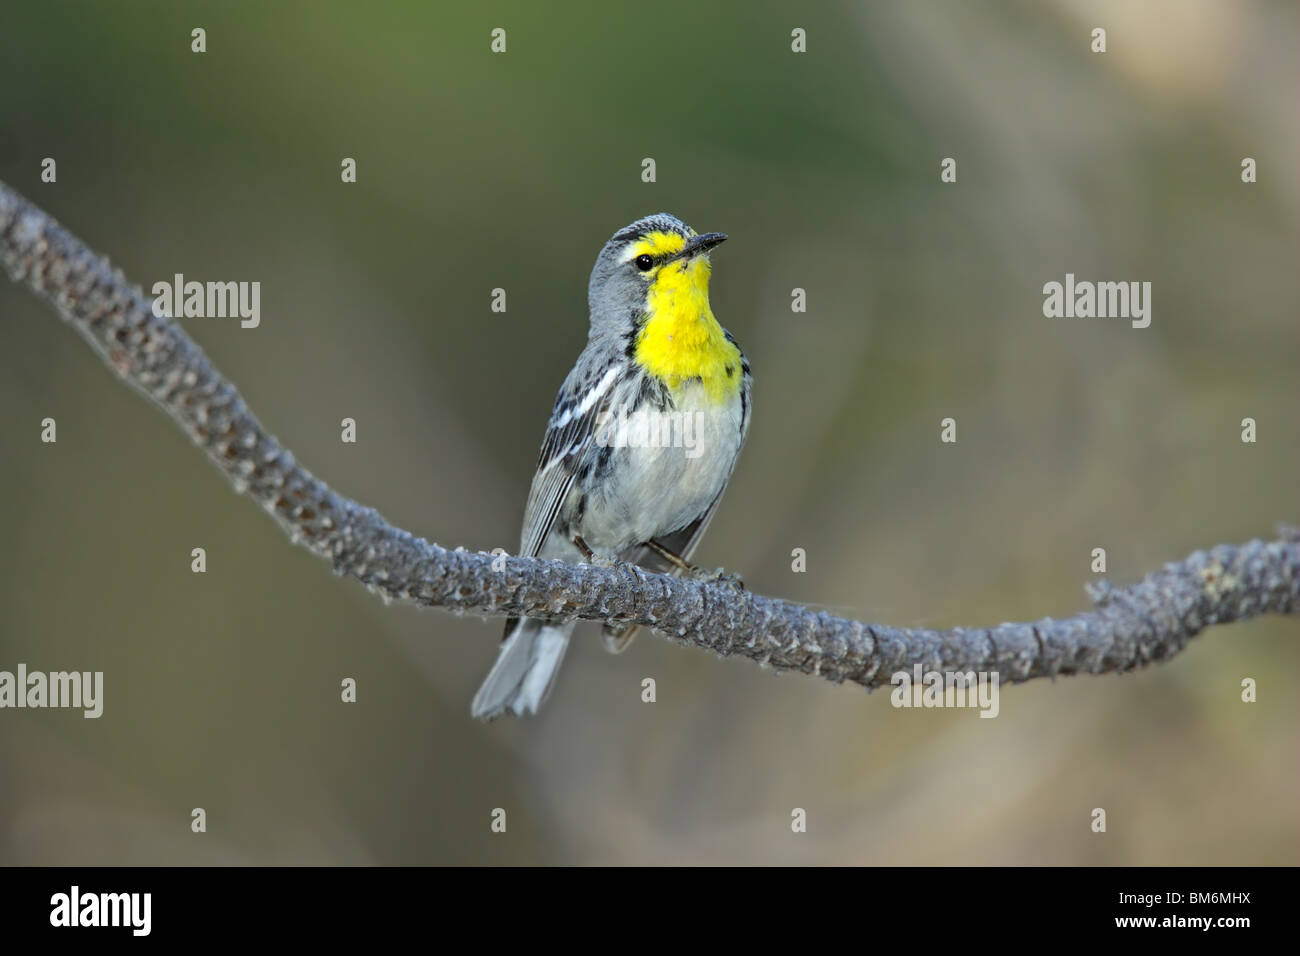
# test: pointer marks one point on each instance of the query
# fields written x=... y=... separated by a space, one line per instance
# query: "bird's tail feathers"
x=524 y=671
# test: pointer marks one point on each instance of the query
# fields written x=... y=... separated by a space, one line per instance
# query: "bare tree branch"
x=1129 y=627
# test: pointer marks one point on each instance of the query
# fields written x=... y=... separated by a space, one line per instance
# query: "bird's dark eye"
x=644 y=262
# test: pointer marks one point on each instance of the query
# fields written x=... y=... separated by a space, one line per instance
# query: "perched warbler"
x=641 y=442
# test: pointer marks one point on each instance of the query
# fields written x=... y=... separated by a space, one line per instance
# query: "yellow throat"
x=680 y=339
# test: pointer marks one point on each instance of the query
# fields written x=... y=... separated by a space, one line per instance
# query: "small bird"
x=641 y=443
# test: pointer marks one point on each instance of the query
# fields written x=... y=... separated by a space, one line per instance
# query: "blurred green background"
x=479 y=171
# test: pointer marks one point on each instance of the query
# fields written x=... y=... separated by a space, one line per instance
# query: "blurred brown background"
x=924 y=301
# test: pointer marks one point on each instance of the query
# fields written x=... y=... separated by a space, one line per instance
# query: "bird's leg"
x=676 y=560
x=592 y=558
x=681 y=564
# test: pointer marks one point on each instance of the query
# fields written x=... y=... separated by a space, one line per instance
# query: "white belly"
x=669 y=466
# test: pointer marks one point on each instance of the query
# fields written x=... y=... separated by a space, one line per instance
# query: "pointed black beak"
x=697 y=244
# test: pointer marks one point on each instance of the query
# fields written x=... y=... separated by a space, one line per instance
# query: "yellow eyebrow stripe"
x=658 y=244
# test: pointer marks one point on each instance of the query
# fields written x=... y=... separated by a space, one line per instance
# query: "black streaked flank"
x=653 y=392
x=603 y=456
